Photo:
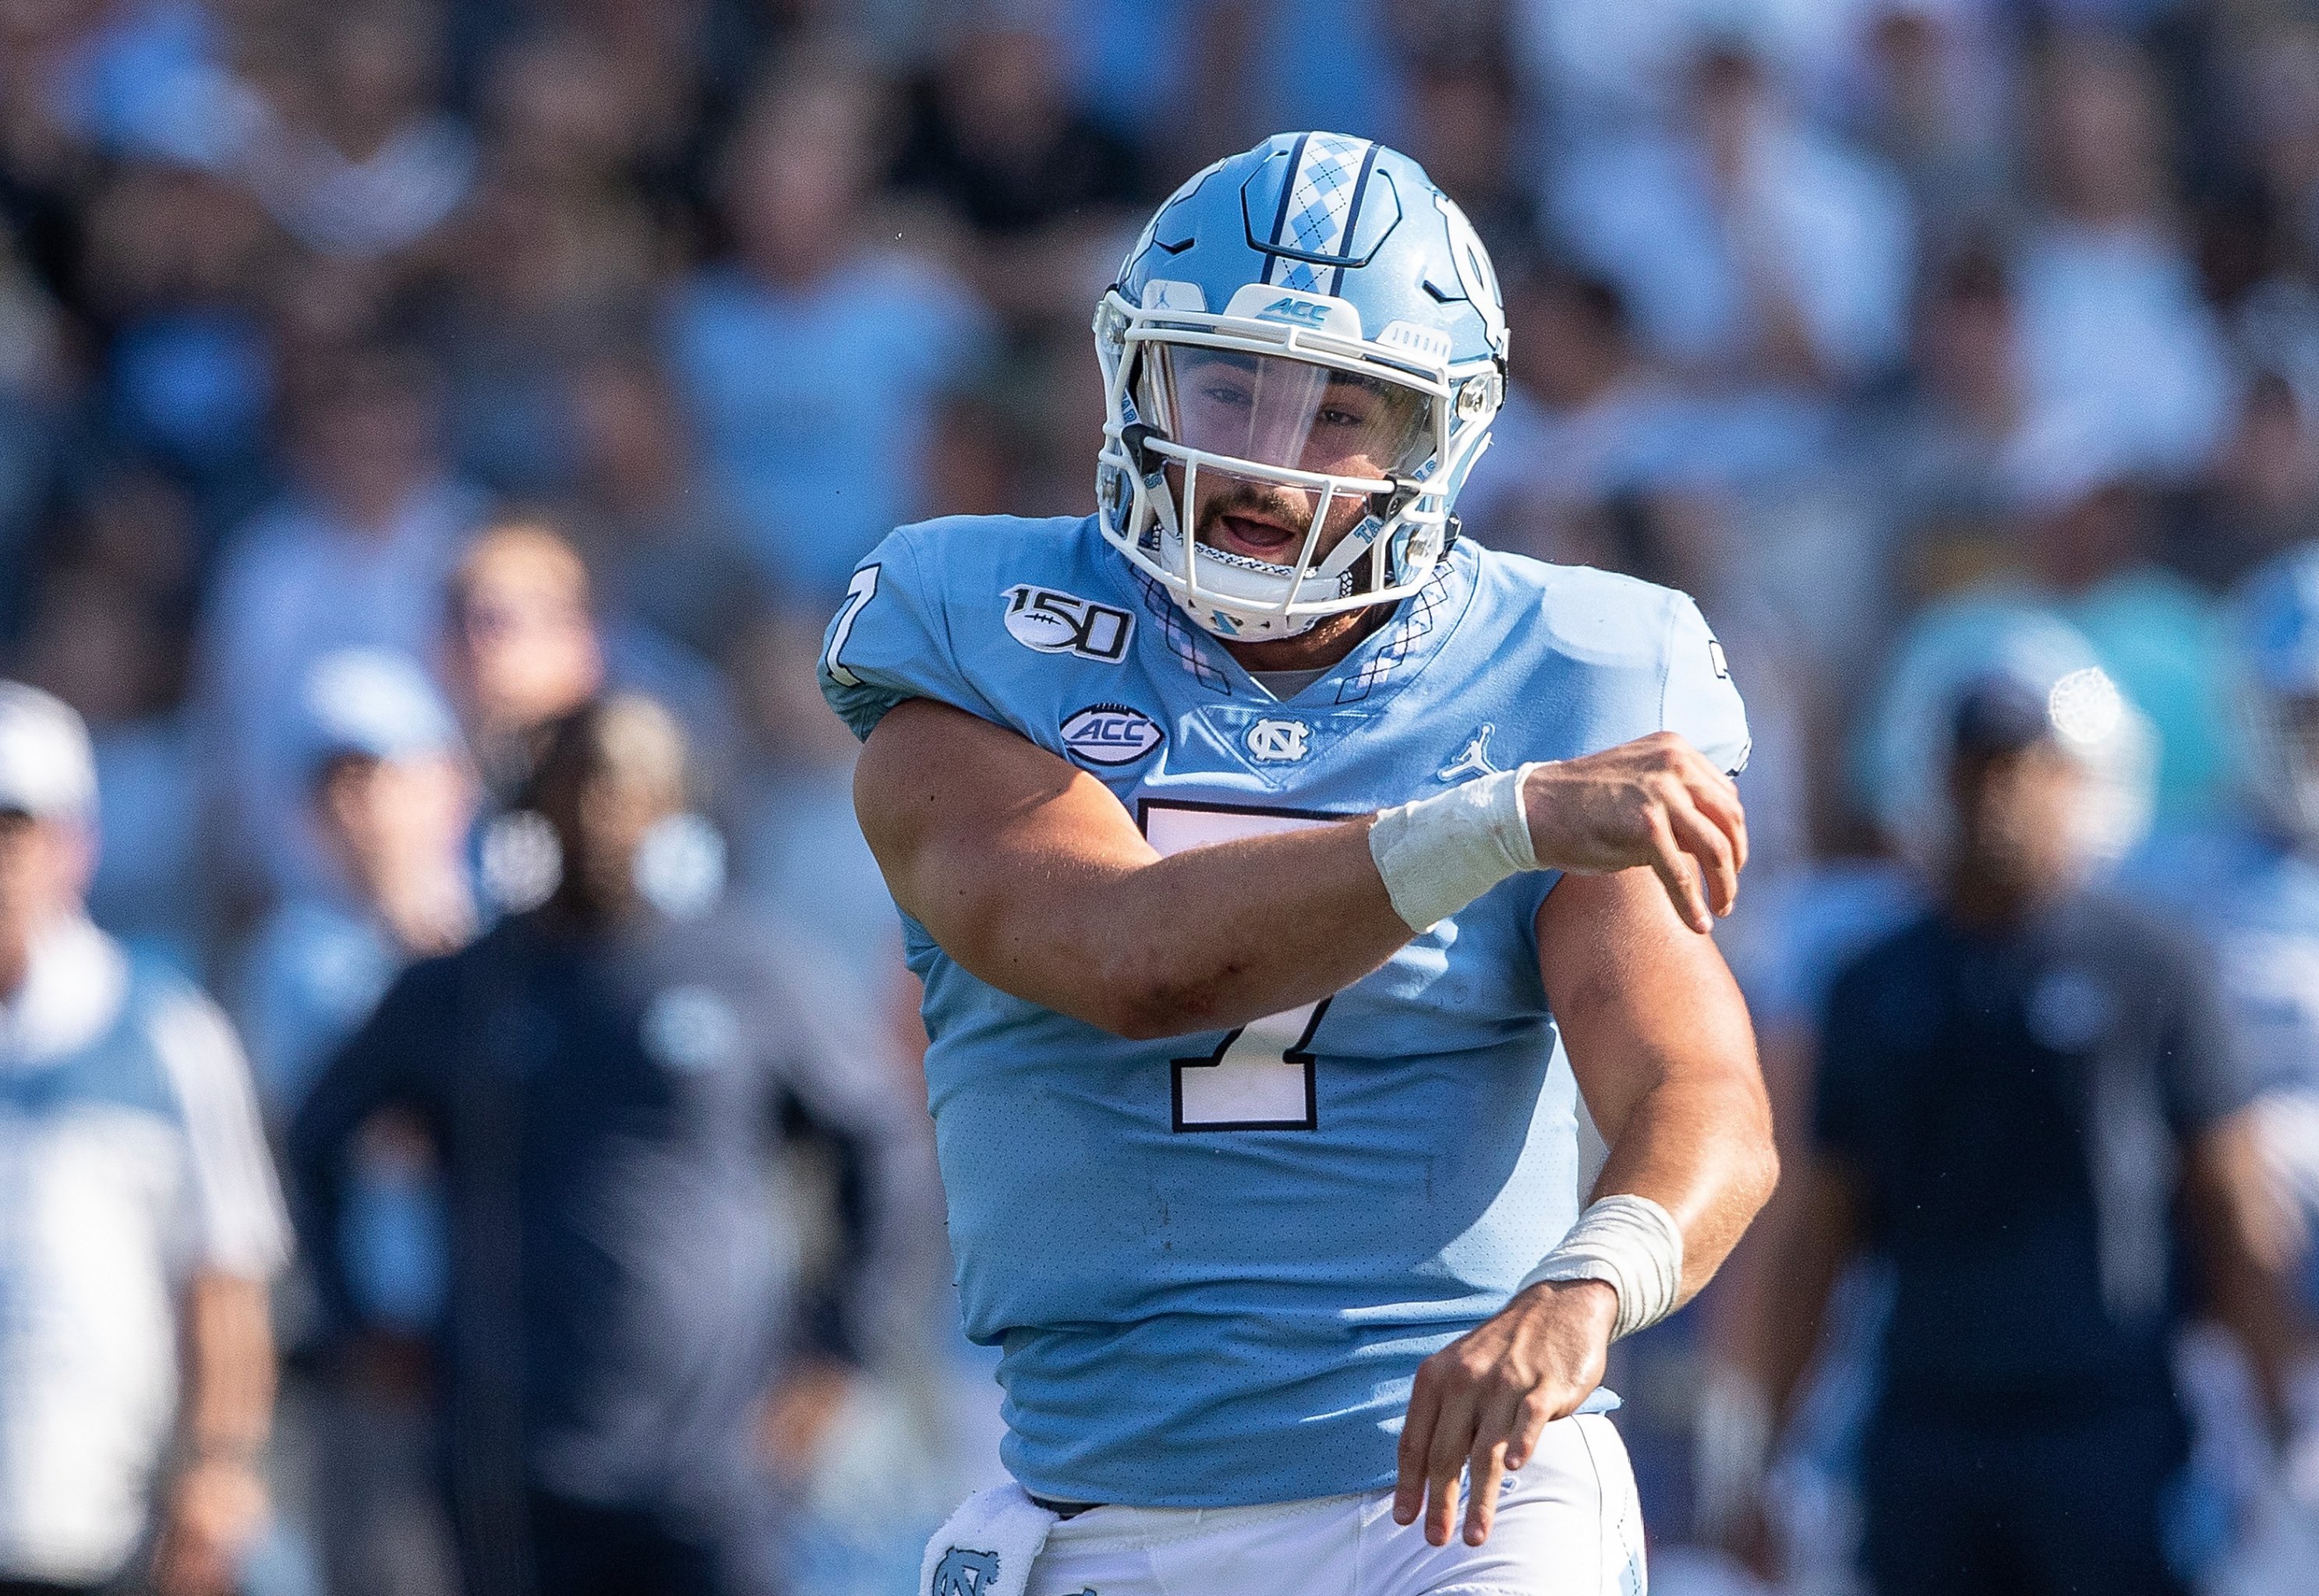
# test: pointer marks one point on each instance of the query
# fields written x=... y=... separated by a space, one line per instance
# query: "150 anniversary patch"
x=1056 y=622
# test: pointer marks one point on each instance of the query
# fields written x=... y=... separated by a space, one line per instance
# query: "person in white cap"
x=390 y=798
x=143 y=1222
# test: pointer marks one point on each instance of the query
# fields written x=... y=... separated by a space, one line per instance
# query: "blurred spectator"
x=667 y=548
x=1465 y=130
x=351 y=153
x=1586 y=419
x=607 y=98
x=2091 y=535
x=1746 y=240
x=602 y=1077
x=543 y=273
x=795 y=854
x=390 y=803
x=1596 y=64
x=520 y=648
x=2262 y=495
x=144 y=1223
x=32 y=405
x=129 y=78
x=2249 y=885
x=100 y=646
x=2276 y=78
x=2007 y=1090
x=996 y=136
x=175 y=256
x=1938 y=449
x=1932 y=101
x=2122 y=359
x=1320 y=63
x=822 y=466
x=994 y=132
x=356 y=556
x=525 y=645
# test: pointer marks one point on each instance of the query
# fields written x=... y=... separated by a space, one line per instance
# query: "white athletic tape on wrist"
x=1441 y=853
x=1632 y=1245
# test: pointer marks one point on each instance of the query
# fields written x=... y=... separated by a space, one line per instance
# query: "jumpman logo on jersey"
x=1474 y=760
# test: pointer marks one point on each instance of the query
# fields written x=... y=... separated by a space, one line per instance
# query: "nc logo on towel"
x=961 y=1572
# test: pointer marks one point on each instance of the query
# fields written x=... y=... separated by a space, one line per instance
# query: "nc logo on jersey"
x=961 y=1572
x=1111 y=735
x=1278 y=741
x=1055 y=622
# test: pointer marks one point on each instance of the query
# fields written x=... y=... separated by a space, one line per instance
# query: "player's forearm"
x=1701 y=1147
x=1033 y=878
x=1203 y=940
x=1659 y=1038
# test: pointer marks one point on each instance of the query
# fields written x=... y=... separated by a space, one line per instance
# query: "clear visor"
x=1275 y=409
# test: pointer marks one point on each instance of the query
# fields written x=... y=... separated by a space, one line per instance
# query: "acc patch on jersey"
x=1055 y=622
x=1111 y=735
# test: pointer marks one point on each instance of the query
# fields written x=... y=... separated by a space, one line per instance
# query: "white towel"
x=988 y=1545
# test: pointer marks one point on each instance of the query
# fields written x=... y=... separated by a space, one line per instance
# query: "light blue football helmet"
x=1318 y=322
x=2277 y=638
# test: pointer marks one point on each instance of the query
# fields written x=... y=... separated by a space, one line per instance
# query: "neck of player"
x=1330 y=639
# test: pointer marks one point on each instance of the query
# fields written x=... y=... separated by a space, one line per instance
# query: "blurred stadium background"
x=1826 y=311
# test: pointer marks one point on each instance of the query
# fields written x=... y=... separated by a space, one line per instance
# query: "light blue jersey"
x=1214 y=1262
x=2254 y=900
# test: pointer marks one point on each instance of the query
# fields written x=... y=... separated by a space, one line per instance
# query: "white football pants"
x=1567 y=1525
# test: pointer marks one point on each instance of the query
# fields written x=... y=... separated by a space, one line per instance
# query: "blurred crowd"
x=383 y=381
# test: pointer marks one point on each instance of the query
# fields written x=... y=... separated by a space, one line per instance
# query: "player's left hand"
x=1479 y=1403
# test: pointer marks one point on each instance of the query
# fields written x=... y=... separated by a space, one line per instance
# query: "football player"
x=1276 y=865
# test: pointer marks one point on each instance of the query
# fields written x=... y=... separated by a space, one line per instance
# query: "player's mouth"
x=1258 y=535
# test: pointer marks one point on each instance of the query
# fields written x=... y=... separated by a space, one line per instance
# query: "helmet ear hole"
x=1387 y=505
x=1137 y=437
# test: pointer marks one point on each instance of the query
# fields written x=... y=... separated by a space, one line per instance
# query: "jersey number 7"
x=1261 y=1077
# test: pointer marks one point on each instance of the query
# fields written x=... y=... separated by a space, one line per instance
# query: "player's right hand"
x=1655 y=801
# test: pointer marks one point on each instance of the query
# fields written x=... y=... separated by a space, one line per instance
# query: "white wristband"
x=1632 y=1245
x=1441 y=853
